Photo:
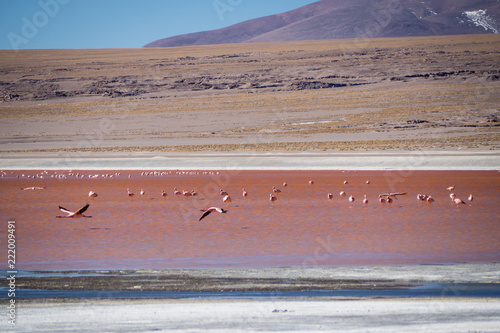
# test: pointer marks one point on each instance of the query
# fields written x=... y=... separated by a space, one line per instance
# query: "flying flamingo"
x=77 y=214
x=392 y=195
x=92 y=194
x=32 y=188
x=212 y=209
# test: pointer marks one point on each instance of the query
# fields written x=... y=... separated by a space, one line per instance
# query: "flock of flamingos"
x=273 y=196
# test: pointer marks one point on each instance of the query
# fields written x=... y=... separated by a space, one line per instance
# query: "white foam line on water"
x=452 y=160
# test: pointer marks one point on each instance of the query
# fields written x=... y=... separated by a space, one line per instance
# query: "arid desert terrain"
x=420 y=93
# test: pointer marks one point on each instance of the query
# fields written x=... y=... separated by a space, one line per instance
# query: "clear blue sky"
x=59 y=24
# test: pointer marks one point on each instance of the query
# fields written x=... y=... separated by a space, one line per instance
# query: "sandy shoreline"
x=369 y=160
x=277 y=313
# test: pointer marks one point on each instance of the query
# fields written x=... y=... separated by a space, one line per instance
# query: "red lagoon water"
x=302 y=227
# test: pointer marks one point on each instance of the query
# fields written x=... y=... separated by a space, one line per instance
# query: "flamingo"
x=194 y=193
x=276 y=190
x=351 y=199
x=77 y=214
x=176 y=191
x=92 y=194
x=381 y=200
x=389 y=199
x=451 y=188
x=452 y=196
x=367 y=182
x=458 y=201
x=365 y=200
x=342 y=194
x=272 y=198
x=329 y=196
x=470 y=198
x=163 y=194
x=142 y=192
x=130 y=194
x=222 y=193
x=227 y=198
x=392 y=195
x=430 y=199
x=244 y=193
x=311 y=182
x=285 y=184
x=212 y=209
x=346 y=182
x=32 y=188
x=421 y=197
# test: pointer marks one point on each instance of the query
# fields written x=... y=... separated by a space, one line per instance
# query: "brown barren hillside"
x=400 y=93
x=336 y=19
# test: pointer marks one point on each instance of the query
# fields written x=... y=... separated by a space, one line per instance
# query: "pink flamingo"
x=342 y=194
x=311 y=182
x=227 y=198
x=222 y=193
x=470 y=198
x=272 y=198
x=244 y=193
x=346 y=182
x=130 y=194
x=285 y=184
x=92 y=194
x=210 y=210
x=351 y=199
x=430 y=199
x=276 y=190
x=176 y=191
x=142 y=192
x=365 y=200
x=163 y=194
x=458 y=201
x=451 y=188
x=381 y=200
x=77 y=214
x=329 y=196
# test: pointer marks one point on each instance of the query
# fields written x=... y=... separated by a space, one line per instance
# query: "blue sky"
x=59 y=24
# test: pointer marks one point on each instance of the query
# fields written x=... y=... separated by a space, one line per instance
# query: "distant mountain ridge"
x=337 y=19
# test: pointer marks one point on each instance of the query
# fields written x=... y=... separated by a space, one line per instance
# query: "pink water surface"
x=302 y=227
